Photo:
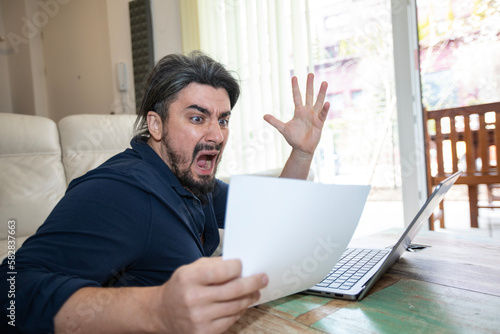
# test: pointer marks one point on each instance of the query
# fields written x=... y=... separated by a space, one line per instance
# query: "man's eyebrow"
x=206 y=112
x=199 y=108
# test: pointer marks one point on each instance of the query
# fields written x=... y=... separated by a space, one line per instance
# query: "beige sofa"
x=38 y=159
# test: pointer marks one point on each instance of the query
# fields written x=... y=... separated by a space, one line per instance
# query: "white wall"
x=17 y=57
x=77 y=60
x=166 y=35
x=5 y=99
x=120 y=45
x=166 y=27
x=38 y=18
x=72 y=69
x=23 y=88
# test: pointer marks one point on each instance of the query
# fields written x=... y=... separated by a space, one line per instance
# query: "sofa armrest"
x=32 y=178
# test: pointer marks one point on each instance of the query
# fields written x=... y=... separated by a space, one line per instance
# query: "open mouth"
x=206 y=161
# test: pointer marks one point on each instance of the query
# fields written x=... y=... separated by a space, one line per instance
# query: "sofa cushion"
x=32 y=178
x=89 y=140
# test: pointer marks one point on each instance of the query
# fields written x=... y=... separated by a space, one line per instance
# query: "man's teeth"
x=208 y=164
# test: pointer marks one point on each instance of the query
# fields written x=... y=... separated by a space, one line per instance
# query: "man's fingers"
x=297 y=97
x=279 y=125
x=324 y=112
x=222 y=278
x=310 y=90
x=209 y=270
x=240 y=287
x=224 y=314
x=218 y=270
x=240 y=292
x=221 y=325
x=232 y=307
x=320 y=99
x=210 y=294
x=321 y=96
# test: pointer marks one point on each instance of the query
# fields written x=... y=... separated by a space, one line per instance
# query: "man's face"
x=195 y=133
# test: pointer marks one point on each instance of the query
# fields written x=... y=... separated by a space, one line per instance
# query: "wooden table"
x=451 y=287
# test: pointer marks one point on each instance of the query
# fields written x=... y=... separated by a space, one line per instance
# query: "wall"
x=166 y=35
x=17 y=55
x=37 y=17
x=5 y=100
x=120 y=52
x=166 y=27
x=23 y=88
x=77 y=60
x=66 y=56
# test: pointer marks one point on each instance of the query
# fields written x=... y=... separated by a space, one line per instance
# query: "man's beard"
x=205 y=183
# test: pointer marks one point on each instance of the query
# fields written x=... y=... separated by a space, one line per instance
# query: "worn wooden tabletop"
x=451 y=287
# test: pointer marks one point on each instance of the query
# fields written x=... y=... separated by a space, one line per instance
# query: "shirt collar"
x=153 y=159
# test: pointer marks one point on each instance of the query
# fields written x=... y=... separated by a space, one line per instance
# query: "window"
x=346 y=43
x=459 y=52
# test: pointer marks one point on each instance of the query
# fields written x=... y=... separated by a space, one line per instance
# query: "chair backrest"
x=89 y=140
x=32 y=177
x=464 y=139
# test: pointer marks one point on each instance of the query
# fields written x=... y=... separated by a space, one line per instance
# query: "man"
x=126 y=249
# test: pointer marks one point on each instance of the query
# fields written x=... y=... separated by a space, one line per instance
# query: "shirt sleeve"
x=93 y=233
x=220 y=202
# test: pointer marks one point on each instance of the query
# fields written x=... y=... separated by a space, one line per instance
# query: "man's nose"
x=214 y=133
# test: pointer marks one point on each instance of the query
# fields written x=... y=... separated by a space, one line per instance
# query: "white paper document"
x=293 y=230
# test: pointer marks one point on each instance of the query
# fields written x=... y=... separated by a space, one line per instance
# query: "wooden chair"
x=464 y=139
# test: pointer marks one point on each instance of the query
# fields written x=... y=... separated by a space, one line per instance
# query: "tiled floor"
x=457 y=219
x=378 y=216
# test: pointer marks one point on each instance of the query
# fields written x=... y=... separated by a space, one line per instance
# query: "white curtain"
x=265 y=42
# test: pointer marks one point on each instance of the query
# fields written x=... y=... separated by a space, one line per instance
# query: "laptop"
x=359 y=269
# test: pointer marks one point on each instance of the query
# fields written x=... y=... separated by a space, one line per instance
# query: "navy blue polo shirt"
x=128 y=222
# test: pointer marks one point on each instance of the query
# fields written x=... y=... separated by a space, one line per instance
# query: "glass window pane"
x=353 y=52
x=459 y=44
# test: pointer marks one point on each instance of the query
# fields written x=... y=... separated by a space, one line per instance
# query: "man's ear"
x=155 y=125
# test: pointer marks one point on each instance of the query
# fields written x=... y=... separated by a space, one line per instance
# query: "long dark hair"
x=172 y=74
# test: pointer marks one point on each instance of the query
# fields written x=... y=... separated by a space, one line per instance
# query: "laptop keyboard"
x=354 y=263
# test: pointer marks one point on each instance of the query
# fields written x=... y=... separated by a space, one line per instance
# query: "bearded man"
x=127 y=249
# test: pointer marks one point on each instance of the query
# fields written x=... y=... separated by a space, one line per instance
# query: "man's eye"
x=224 y=122
x=197 y=119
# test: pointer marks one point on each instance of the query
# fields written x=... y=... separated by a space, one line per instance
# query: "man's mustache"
x=205 y=147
